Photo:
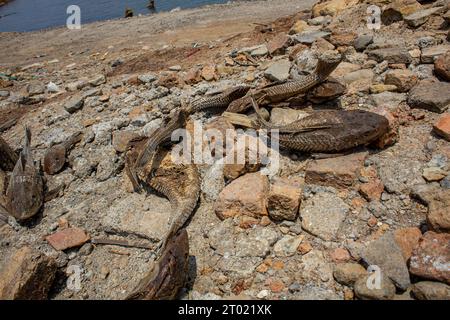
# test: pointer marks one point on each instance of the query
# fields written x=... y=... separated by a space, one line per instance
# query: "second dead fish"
x=25 y=192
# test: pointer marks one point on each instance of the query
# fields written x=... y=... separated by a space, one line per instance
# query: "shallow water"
x=30 y=15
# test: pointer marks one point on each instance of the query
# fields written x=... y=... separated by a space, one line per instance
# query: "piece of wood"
x=240 y=120
x=8 y=157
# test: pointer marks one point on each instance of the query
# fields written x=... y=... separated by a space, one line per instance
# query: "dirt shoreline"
x=150 y=32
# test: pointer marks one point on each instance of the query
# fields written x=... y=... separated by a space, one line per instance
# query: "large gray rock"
x=430 y=54
x=420 y=17
x=429 y=95
x=73 y=104
x=323 y=214
x=387 y=255
x=391 y=55
x=429 y=290
x=385 y=292
x=308 y=37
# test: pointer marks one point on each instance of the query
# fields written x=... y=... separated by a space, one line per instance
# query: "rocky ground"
x=308 y=232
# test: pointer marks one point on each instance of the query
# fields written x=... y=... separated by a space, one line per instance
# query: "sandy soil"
x=149 y=32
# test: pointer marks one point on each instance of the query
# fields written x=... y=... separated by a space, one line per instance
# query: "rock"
x=418 y=18
x=326 y=91
x=308 y=37
x=287 y=246
x=340 y=255
x=120 y=139
x=148 y=217
x=35 y=88
x=342 y=38
x=432 y=96
x=430 y=54
x=385 y=292
x=73 y=104
x=170 y=80
x=343 y=69
x=147 y=78
x=213 y=182
x=372 y=190
x=442 y=66
x=82 y=167
x=77 y=85
x=407 y=239
x=433 y=174
x=321 y=45
x=428 y=290
x=388 y=100
x=97 y=80
x=323 y=214
x=359 y=75
x=306 y=61
x=259 y=51
x=362 y=41
x=442 y=126
x=348 y=273
x=379 y=88
x=438 y=216
x=387 y=255
x=26 y=274
x=284 y=199
x=404 y=80
x=243 y=196
x=304 y=247
x=431 y=258
x=243 y=157
x=398 y=9
x=175 y=68
x=339 y=172
x=298 y=27
x=67 y=238
x=278 y=44
x=278 y=71
x=209 y=72
x=320 y=21
x=331 y=7
x=391 y=55
x=193 y=76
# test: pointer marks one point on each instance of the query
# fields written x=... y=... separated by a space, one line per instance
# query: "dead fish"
x=168 y=275
x=55 y=158
x=8 y=157
x=25 y=192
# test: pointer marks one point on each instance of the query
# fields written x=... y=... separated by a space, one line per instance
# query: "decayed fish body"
x=25 y=193
x=219 y=100
x=168 y=275
x=279 y=92
x=55 y=157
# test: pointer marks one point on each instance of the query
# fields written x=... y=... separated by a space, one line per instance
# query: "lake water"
x=30 y=15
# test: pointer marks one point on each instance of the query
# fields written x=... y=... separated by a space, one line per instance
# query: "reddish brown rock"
x=398 y=9
x=442 y=66
x=209 y=72
x=403 y=79
x=339 y=172
x=304 y=247
x=169 y=80
x=343 y=39
x=26 y=275
x=278 y=44
x=193 y=76
x=284 y=199
x=407 y=239
x=392 y=135
x=431 y=258
x=442 y=126
x=340 y=255
x=244 y=196
x=67 y=238
x=372 y=190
